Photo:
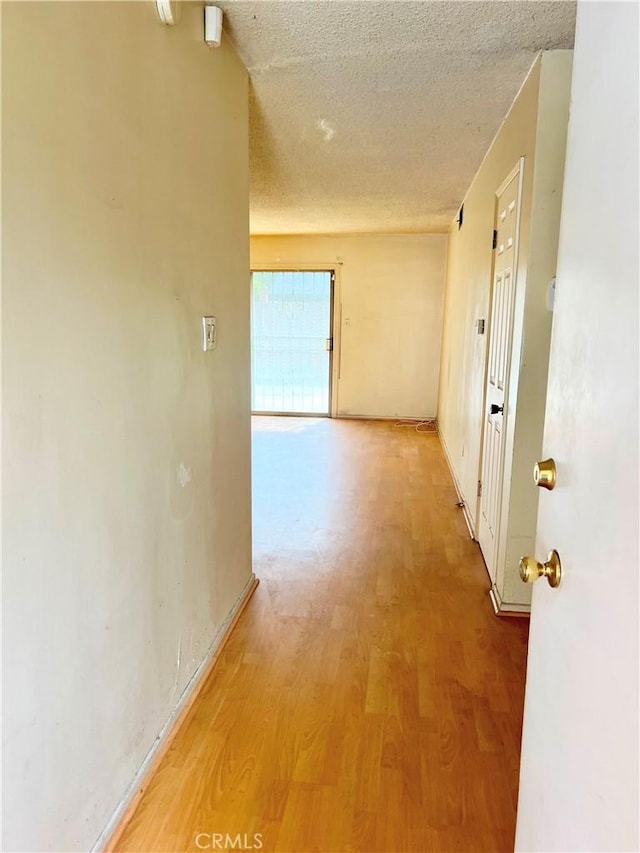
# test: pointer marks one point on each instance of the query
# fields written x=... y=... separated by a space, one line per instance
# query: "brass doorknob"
x=531 y=569
x=544 y=474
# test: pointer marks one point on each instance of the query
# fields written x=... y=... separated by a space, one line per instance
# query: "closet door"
x=506 y=227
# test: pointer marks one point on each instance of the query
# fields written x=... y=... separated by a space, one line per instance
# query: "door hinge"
x=479 y=488
x=495 y=239
x=329 y=345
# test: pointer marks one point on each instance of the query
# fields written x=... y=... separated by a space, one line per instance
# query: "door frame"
x=517 y=170
x=335 y=318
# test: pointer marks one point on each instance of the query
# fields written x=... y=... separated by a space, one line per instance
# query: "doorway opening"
x=291 y=341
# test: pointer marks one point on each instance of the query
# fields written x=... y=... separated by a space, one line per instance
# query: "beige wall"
x=536 y=129
x=460 y=406
x=391 y=290
x=126 y=481
x=530 y=366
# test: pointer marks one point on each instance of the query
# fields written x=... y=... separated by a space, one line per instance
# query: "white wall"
x=391 y=287
x=126 y=450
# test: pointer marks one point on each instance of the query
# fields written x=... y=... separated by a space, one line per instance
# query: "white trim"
x=334 y=267
x=501 y=607
x=346 y=416
x=456 y=486
x=516 y=171
x=336 y=331
x=172 y=725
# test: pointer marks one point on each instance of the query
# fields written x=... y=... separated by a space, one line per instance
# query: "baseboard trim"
x=456 y=486
x=501 y=608
x=113 y=831
x=410 y=419
x=289 y=415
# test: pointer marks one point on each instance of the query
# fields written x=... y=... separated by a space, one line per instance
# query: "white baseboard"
x=343 y=416
x=456 y=485
x=505 y=608
x=123 y=812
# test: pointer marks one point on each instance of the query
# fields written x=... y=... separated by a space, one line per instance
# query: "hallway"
x=368 y=699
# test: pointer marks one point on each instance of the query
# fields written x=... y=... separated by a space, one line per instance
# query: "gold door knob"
x=544 y=474
x=531 y=569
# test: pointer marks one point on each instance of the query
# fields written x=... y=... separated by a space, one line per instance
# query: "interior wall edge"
x=109 y=836
x=126 y=448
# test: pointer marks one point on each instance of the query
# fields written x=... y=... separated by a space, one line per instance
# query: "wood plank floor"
x=368 y=699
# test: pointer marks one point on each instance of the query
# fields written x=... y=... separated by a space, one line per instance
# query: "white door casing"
x=579 y=765
x=507 y=222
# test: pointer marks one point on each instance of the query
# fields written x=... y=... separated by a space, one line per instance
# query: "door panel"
x=500 y=344
x=579 y=768
x=291 y=341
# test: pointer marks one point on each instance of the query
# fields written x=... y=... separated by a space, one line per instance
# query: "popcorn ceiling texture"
x=370 y=116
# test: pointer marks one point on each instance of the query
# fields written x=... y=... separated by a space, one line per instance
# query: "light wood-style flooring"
x=368 y=698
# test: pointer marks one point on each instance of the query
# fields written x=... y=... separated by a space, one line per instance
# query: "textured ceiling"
x=374 y=115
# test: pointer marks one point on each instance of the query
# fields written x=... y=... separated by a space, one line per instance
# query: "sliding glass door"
x=291 y=342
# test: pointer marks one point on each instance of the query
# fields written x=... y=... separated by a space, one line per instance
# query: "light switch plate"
x=208 y=333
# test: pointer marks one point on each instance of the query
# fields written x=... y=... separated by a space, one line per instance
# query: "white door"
x=579 y=769
x=500 y=344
